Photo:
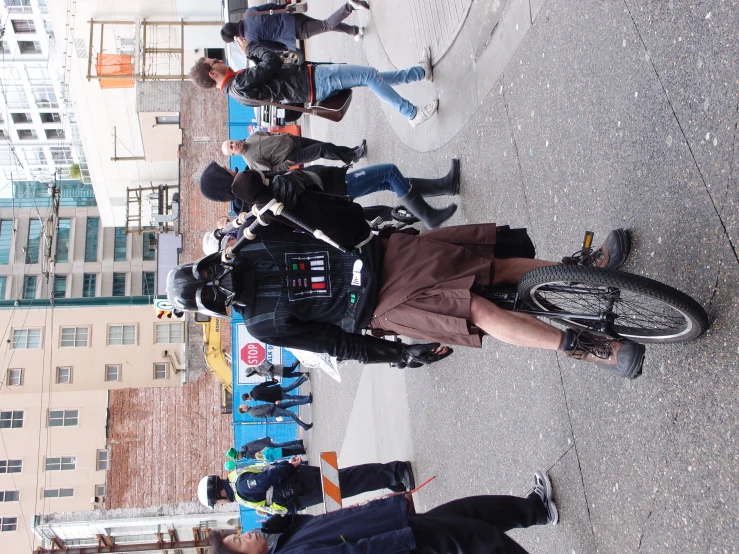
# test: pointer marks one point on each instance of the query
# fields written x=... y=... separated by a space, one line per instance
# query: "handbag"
x=332 y=108
x=300 y=7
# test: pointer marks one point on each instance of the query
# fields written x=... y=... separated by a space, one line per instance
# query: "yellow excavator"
x=218 y=361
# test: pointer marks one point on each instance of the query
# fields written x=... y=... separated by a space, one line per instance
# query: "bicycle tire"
x=538 y=289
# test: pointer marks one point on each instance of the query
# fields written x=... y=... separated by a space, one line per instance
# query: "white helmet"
x=208 y=490
x=211 y=244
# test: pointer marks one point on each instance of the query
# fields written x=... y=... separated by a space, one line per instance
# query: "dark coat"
x=266 y=392
x=251 y=448
x=261 y=410
x=273 y=31
x=380 y=527
x=270 y=80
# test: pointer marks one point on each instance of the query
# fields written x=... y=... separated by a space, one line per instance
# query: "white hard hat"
x=211 y=244
x=208 y=490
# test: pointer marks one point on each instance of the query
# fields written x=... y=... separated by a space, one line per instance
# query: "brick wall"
x=163 y=441
x=158 y=96
x=203 y=118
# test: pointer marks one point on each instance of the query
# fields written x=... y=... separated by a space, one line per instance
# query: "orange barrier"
x=330 y=481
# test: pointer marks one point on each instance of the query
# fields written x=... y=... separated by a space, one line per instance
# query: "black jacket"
x=251 y=448
x=266 y=392
x=270 y=80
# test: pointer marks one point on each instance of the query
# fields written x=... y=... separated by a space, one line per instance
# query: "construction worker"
x=288 y=486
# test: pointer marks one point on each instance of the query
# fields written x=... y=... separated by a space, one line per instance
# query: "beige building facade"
x=61 y=363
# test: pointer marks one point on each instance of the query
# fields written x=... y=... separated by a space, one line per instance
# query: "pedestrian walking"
x=250 y=449
x=472 y=525
x=272 y=80
x=290 y=486
x=279 y=31
x=272 y=371
x=267 y=411
x=278 y=151
x=275 y=453
x=272 y=391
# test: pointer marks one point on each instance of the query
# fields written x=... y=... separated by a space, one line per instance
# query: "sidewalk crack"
x=685 y=138
x=515 y=147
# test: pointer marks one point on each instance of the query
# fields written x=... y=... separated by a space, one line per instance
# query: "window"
x=16 y=97
x=11 y=466
x=6 y=236
x=8 y=523
x=3 y=283
x=168 y=332
x=10 y=496
x=27 y=134
x=91 y=239
x=60 y=286
x=147 y=283
x=150 y=246
x=119 y=284
x=26 y=338
x=168 y=119
x=50 y=117
x=63 y=418
x=19 y=6
x=100 y=492
x=112 y=372
x=54 y=133
x=62 y=155
x=29 y=47
x=119 y=249
x=63 y=375
x=161 y=371
x=62 y=240
x=74 y=336
x=4 y=48
x=15 y=377
x=89 y=285
x=35 y=155
x=34 y=241
x=102 y=460
x=23 y=26
x=58 y=493
x=11 y=419
x=121 y=335
x=29 y=287
x=21 y=117
x=64 y=463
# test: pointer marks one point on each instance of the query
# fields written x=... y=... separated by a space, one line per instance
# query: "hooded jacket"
x=276 y=32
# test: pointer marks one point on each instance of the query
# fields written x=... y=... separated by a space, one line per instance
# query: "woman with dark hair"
x=279 y=31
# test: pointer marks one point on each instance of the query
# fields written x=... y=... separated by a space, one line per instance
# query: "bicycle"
x=609 y=303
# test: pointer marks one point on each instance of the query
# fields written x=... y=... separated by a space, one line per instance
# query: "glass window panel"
x=102 y=460
x=168 y=332
x=62 y=155
x=29 y=287
x=121 y=334
x=150 y=247
x=3 y=284
x=29 y=47
x=74 y=336
x=9 y=496
x=11 y=466
x=63 y=418
x=21 y=117
x=119 y=249
x=119 y=284
x=27 y=134
x=112 y=372
x=11 y=419
x=147 y=283
x=160 y=371
x=6 y=235
x=62 y=240
x=89 y=285
x=91 y=239
x=50 y=117
x=16 y=97
x=60 y=286
x=63 y=375
x=26 y=338
x=8 y=523
x=34 y=241
x=15 y=377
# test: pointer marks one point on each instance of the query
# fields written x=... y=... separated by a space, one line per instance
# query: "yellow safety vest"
x=272 y=509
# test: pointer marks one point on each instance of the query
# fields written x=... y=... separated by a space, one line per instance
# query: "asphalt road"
x=607 y=114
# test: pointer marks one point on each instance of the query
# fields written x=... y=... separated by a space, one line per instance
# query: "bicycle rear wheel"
x=639 y=308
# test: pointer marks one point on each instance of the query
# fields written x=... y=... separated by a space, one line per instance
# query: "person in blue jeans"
x=272 y=80
x=219 y=183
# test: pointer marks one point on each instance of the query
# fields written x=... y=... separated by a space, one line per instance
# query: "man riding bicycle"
x=294 y=290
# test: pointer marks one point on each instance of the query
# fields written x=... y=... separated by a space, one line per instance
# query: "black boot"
x=447 y=185
x=359 y=152
x=431 y=217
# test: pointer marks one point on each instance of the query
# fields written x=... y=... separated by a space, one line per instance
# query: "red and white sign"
x=253 y=352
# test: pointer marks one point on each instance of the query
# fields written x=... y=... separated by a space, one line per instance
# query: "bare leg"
x=510 y=270
x=513 y=327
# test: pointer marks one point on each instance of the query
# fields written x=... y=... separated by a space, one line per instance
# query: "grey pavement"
x=567 y=116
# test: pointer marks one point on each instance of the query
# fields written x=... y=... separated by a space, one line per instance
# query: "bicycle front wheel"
x=639 y=308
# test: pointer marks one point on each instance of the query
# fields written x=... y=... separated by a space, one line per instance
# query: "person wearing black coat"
x=272 y=80
x=473 y=525
x=271 y=391
x=250 y=449
x=267 y=411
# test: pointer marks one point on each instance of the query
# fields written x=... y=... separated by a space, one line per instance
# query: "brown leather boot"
x=610 y=255
x=623 y=358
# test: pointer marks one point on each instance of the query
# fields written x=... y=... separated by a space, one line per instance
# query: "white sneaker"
x=360 y=34
x=424 y=112
x=358 y=4
x=425 y=63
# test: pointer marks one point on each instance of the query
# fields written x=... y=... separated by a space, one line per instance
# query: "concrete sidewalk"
x=591 y=116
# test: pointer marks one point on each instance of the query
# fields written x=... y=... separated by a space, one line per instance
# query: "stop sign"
x=253 y=353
